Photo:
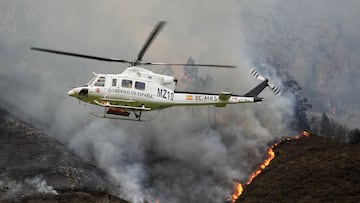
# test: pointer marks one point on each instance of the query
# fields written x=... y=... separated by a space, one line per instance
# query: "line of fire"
x=270 y=155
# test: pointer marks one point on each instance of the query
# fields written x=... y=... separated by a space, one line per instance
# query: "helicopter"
x=136 y=90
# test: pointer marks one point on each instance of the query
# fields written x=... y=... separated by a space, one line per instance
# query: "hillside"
x=310 y=169
x=36 y=168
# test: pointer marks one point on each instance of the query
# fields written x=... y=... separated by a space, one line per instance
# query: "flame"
x=238 y=189
x=270 y=155
x=305 y=133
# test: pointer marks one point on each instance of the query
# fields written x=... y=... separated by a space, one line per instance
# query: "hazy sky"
x=179 y=156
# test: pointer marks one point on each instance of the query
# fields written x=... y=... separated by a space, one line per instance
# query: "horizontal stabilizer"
x=225 y=96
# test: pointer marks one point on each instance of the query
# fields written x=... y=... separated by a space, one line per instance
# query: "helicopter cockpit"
x=100 y=81
x=97 y=80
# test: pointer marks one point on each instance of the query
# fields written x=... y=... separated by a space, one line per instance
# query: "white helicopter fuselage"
x=143 y=90
x=138 y=89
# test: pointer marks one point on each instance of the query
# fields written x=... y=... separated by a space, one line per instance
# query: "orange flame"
x=239 y=188
x=270 y=156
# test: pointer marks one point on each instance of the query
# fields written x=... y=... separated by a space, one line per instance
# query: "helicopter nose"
x=71 y=93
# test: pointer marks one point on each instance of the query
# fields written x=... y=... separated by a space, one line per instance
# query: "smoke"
x=119 y=152
x=11 y=189
x=40 y=185
x=185 y=154
x=317 y=42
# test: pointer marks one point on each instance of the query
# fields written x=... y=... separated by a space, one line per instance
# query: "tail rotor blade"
x=273 y=88
x=257 y=75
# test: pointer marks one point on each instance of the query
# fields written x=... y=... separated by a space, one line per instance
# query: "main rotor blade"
x=80 y=55
x=184 y=64
x=151 y=37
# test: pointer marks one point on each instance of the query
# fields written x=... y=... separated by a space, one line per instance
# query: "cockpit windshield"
x=91 y=81
x=100 y=81
x=97 y=81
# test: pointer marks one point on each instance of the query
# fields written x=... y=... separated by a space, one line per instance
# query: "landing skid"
x=120 y=114
x=117 y=117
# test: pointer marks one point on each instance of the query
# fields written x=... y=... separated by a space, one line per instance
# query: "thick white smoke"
x=181 y=156
x=11 y=189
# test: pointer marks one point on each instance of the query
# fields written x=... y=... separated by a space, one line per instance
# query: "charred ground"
x=312 y=169
x=34 y=167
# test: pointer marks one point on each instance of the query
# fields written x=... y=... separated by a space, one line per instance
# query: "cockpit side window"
x=139 y=85
x=100 y=82
x=114 y=82
x=126 y=83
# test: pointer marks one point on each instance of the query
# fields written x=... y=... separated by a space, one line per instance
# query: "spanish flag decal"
x=189 y=97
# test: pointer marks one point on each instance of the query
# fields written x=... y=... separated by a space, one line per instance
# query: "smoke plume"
x=185 y=154
x=15 y=189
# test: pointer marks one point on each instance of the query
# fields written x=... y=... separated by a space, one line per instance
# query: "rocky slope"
x=36 y=168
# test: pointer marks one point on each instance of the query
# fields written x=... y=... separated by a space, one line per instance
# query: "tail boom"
x=218 y=100
x=224 y=98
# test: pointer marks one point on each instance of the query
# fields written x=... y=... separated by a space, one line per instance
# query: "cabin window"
x=114 y=81
x=139 y=85
x=126 y=83
x=100 y=82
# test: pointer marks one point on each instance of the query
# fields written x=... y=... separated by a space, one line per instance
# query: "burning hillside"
x=307 y=170
x=270 y=155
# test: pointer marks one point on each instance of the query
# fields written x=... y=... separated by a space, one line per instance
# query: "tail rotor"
x=257 y=75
